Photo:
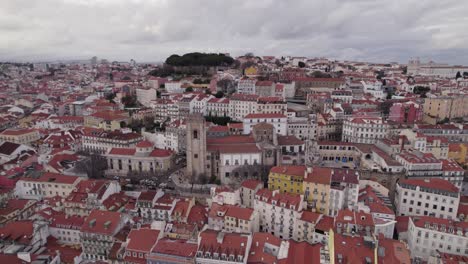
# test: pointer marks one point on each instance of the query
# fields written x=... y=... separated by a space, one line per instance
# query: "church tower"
x=196 y=146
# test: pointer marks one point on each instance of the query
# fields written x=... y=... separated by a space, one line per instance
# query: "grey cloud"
x=151 y=30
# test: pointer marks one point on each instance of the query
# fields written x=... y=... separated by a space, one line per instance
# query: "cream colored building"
x=20 y=136
x=445 y=107
x=47 y=185
x=142 y=159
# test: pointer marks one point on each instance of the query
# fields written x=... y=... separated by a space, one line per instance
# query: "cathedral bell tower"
x=196 y=146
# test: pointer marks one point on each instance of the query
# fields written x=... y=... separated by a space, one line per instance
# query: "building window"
x=195 y=134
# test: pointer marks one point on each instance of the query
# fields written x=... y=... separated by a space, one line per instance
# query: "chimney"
x=402 y=142
x=92 y=223
x=220 y=237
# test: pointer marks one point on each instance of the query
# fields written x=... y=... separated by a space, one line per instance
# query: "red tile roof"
x=352 y=250
x=289 y=141
x=395 y=252
x=266 y=115
x=123 y=151
x=289 y=170
x=223 y=243
x=252 y=184
x=102 y=222
x=310 y=217
x=319 y=175
x=302 y=253
x=178 y=248
x=431 y=183
x=161 y=153
x=258 y=254
x=19 y=232
x=142 y=240
x=53 y=177
x=437 y=224
x=239 y=213
x=17 y=132
x=144 y=144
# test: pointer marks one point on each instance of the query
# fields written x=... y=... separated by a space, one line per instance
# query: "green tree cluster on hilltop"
x=199 y=59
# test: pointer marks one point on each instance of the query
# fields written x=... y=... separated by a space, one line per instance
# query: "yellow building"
x=286 y=179
x=445 y=107
x=459 y=153
x=107 y=120
x=316 y=189
x=251 y=71
x=20 y=136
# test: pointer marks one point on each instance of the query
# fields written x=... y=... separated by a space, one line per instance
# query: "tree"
x=110 y=97
x=219 y=94
x=189 y=89
x=218 y=120
x=405 y=69
x=319 y=74
x=94 y=166
x=465 y=75
x=385 y=106
x=422 y=90
x=199 y=59
x=148 y=122
x=129 y=101
x=226 y=85
x=249 y=55
x=278 y=63
x=301 y=64
x=458 y=75
x=207 y=91
x=390 y=94
x=380 y=75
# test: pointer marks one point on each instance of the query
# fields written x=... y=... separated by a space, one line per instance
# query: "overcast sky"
x=151 y=30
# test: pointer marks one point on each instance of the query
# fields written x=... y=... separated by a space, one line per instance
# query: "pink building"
x=408 y=112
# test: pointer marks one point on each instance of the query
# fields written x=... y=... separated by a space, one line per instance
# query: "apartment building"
x=246 y=85
x=428 y=235
x=364 y=129
x=241 y=105
x=427 y=197
x=437 y=108
x=101 y=141
x=142 y=159
x=279 y=122
x=278 y=212
x=287 y=179
x=220 y=247
x=46 y=185
x=98 y=234
x=20 y=136
x=248 y=190
x=418 y=164
x=316 y=189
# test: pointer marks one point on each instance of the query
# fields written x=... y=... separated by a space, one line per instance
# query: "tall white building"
x=375 y=89
x=279 y=121
x=241 y=105
x=246 y=86
x=427 y=235
x=365 y=130
x=278 y=212
x=47 y=185
x=145 y=96
x=427 y=197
